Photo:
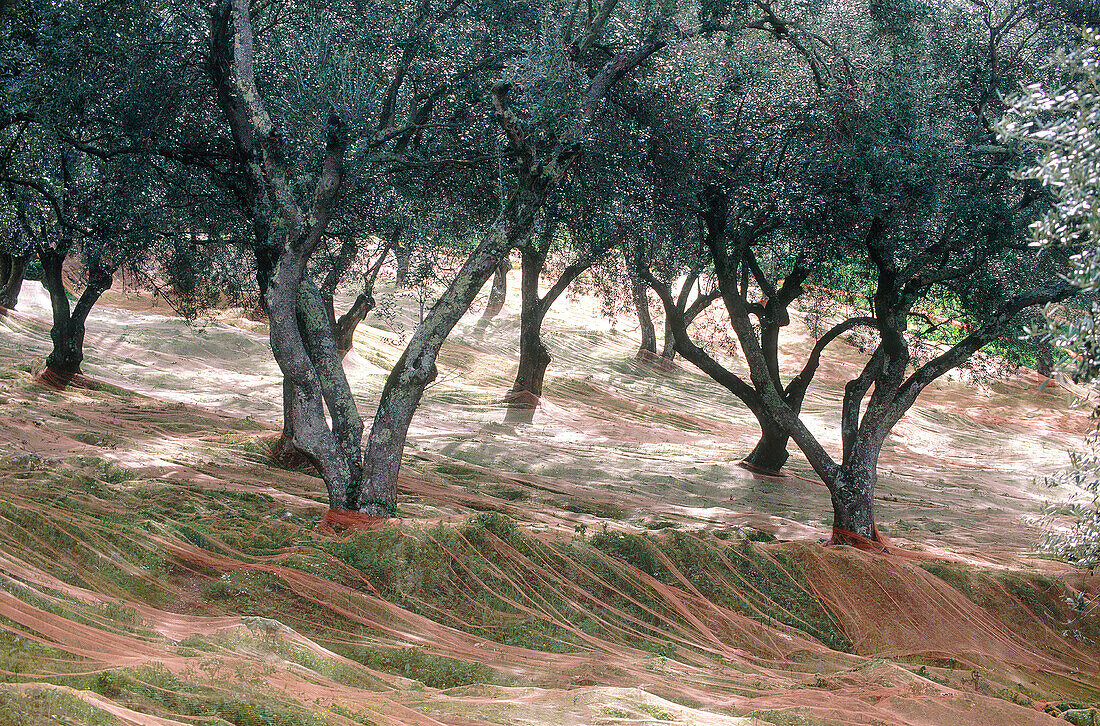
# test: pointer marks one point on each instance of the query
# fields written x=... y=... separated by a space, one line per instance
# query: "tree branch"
x=993 y=326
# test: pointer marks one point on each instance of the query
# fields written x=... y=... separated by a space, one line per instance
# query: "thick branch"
x=802 y=380
x=572 y=272
x=609 y=75
x=759 y=373
x=242 y=76
x=993 y=326
x=328 y=185
x=854 y=391
x=390 y=103
x=693 y=353
x=594 y=30
x=510 y=124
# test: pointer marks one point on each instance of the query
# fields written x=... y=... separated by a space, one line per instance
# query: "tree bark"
x=402 y=254
x=648 y=349
x=343 y=328
x=534 y=358
x=13 y=269
x=853 y=497
x=770 y=453
x=285 y=453
x=69 y=325
x=416 y=368
x=1044 y=358
x=299 y=331
x=668 y=350
x=308 y=424
x=497 y=293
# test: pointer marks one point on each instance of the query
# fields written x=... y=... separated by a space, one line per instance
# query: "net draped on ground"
x=133 y=528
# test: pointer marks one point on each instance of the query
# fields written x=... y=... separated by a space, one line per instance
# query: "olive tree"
x=300 y=332
x=913 y=189
x=78 y=76
x=1060 y=120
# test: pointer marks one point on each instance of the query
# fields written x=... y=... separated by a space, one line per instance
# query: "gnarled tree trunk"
x=853 y=496
x=308 y=361
x=344 y=326
x=668 y=351
x=13 y=268
x=648 y=349
x=68 y=329
x=498 y=293
x=534 y=358
x=538 y=174
x=416 y=368
x=770 y=453
x=299 y=331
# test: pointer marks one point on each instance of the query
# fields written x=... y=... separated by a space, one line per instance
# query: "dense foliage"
x=1062 y=121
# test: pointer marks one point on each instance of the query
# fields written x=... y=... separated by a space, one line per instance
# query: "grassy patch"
x=507 y=493
x=20 y=655
x=49 y=707
x=750 y=583
x=156 y=690
x=784 y=718
x=635 y=549
x=615 y=712
x=603 y=510
x=102 y=439
x=432 y=670
x=656 y=712
x=462 y=474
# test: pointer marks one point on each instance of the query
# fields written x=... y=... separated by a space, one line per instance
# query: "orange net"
x=344 y=521
x=844 y=537
x=150 y=558
x=728 y=626
x=59 y=380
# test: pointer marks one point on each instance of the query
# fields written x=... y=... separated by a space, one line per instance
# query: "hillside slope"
x=608 y=563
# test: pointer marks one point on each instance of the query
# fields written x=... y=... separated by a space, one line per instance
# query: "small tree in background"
x=1062 y=120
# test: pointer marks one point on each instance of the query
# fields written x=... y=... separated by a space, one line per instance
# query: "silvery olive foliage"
x=1063 y=122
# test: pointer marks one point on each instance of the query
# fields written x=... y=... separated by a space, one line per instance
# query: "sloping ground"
x=607 y=564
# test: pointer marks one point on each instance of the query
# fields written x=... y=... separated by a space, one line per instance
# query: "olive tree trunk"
x=416 y=367
x=402 y=255
x=498 y=293
x=648 y=349
x=68 y=329
x=534 y=358
x=668 y=349
x=538 y=173
x=893 y=390
x=13 y=269
x=300 y=335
